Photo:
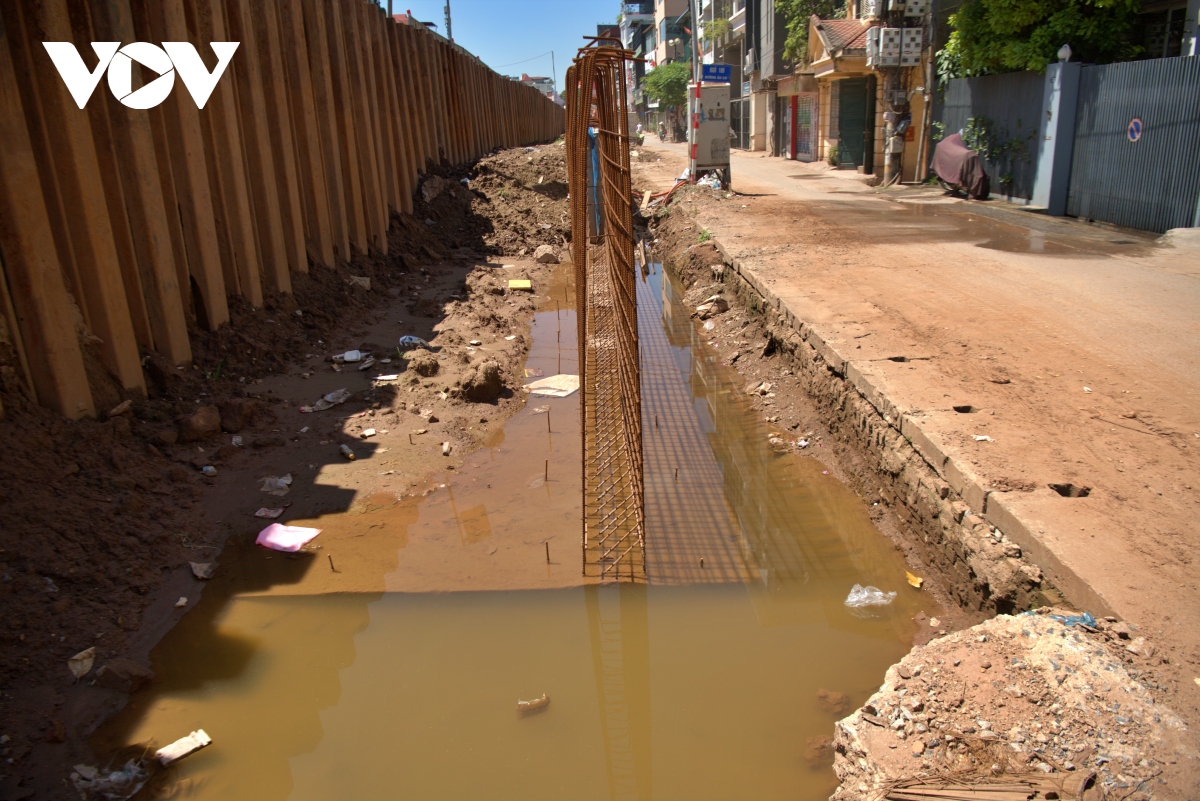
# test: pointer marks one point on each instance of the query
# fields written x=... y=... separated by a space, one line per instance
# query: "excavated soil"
x=102 y=517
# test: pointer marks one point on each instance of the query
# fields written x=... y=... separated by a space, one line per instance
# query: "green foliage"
x=668 y=83
x=998 y=146
x=833 y=156
x=796 y=14
x=938 y=129
x=993 y=36
x=715 y=29
x=705 y=235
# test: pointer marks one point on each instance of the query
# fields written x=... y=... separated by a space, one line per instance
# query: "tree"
x=796 y=15
x=991 y=36
x=668 y=84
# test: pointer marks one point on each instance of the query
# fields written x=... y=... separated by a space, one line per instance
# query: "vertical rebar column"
x=602 y=249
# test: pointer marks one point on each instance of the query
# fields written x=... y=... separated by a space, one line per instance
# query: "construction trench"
x=703 y=649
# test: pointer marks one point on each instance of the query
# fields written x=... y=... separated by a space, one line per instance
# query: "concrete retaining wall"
x=123 y=228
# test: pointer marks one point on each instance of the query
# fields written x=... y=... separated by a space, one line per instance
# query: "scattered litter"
x=125 y=783
x=802 y=444
x=388 y=377
x=269 y=514
x=539 y=410
x=349 y=356
x=413 y=342
x=511 y=338
x=983 y=438
x=82 y=662
x=290 y=539
x=385 y=361
x=709 y=325
x=304 y=430
x=710 y=180
x=1087 y=389
x=121 y=408
x=934 y=622
x=446 y=448
x=367 y=364
x=349 y=454
x=235 y=441
x=520 y=283
x=182 y=602
x=208 y=470
x=184 y=746
x=915 y=581
x=360 y=281
x=861 y=596
x=276 y=485
x=1084 y=619
x=370 y=432
x=533 y=372
x=328 y=401
x=558 y=386
x=536 y=703
x=475 y=342
x=203 y=570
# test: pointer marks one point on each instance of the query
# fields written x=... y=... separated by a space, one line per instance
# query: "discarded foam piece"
x=184 y=746
x=557 y=386
x=82 y=662
x=536 y=703
x=203 y=570
x=520 y=283
x=288 y=539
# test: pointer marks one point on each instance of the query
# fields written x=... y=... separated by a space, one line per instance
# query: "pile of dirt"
x=100 y=514
x=1041 y=694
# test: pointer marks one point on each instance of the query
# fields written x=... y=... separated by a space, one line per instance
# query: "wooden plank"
x=142 y=185
x=179 y=143
x=317 y=37
x=29 y=265
x=388 y=132
x=265 y=20
x=76 y=172
x=362 y=102
x=402 y=84
x=225 y=157
x=419 y=81
x=347 y=130
x=263 y=182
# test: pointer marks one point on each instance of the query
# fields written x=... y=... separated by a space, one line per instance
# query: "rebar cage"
x=602 y=249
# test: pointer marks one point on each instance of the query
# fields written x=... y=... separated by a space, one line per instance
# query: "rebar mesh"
x=602 y=250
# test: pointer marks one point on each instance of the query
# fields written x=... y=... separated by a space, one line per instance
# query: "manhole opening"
x=965 y=409
x=1071 y=490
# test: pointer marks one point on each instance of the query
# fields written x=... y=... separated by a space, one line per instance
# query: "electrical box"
x=916 y=8
x=873 y=9
x=910 y=49
x=708 y=107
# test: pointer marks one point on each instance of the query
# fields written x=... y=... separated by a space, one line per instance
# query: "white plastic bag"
x=861 y=596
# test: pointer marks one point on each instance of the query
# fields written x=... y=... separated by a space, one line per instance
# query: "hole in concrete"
x=964 y=409
x=897 y=358
x=1071 y=490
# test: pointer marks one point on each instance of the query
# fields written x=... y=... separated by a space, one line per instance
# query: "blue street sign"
x=716 y=73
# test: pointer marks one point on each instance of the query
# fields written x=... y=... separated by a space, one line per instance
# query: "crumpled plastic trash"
x=289 y=539
x=348 y=356
x=329 y=401
x=90 y=782
x=685 y=175
x=413 y=342
x=710 y=180
x=276 y=485
x=861 y=596
x=1085 y=619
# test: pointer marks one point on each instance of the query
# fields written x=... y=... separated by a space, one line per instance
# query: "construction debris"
x=184 y=746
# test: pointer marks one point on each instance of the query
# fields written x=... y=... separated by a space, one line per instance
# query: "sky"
x=502 y=32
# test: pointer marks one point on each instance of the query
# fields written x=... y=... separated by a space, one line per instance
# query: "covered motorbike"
x=959 y=169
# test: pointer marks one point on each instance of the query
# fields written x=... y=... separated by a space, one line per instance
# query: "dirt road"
x=1032 y=351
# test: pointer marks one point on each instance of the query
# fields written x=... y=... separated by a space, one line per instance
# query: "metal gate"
x=806 y=127
x=1137 y=144
x=856 y=123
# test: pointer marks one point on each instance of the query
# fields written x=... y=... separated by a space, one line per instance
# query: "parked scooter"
x=959 y=169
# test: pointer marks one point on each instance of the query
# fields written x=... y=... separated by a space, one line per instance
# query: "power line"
x=543 y=55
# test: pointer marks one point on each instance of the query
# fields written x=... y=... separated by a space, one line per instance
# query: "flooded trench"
x=398 y=674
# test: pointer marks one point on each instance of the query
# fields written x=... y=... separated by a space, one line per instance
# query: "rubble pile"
x=1040 y=693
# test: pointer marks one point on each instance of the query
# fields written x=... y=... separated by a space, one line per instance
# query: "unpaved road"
x=1075 y=346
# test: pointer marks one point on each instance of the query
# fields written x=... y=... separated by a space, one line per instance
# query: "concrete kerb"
x=995 y=508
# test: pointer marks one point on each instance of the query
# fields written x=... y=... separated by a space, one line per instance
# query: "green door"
x=856 y=112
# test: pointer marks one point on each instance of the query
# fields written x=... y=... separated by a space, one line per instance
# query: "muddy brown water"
x=711 y=682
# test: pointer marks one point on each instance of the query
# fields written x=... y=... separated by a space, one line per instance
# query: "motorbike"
x=959 y=169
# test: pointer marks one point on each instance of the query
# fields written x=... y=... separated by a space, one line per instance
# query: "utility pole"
x=553 y=72
x=449 y=31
